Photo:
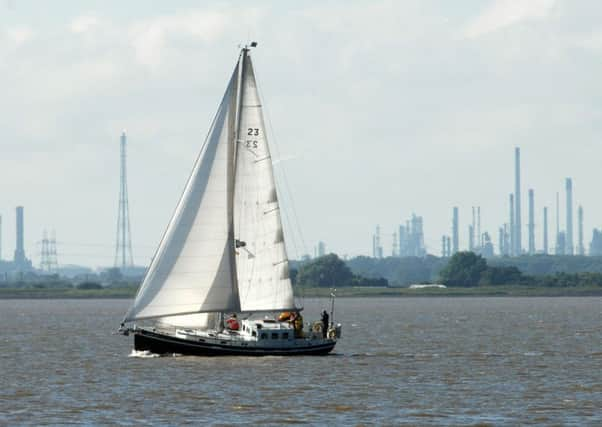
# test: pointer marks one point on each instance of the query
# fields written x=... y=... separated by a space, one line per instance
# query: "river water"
x=402 y=361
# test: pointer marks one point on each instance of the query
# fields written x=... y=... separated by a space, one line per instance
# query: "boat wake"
x=143 y=354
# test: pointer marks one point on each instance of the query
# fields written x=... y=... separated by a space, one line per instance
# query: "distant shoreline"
x=489 y=291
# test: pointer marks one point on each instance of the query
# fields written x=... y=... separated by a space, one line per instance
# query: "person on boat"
x=298 y=325
x=232 y=323
x=325 y=319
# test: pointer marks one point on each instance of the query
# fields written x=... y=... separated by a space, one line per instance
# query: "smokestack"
x=570 y=248
x=517 y=220
x=512 y=226
x=20 y=251
x=557 y=214
x=376 y=248
x=501 y=240
x=455 y=238
x=560 y=237
x=0 y=238
x=545 y=230
x=531 y=222
x=506 y=241
x=580 y=247
x=470 y=238
x=479 y=239
x=471 y=232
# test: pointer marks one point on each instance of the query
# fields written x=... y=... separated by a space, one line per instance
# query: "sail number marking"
x=252 y=143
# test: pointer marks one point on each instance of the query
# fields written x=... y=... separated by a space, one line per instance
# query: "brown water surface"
x=414 y=361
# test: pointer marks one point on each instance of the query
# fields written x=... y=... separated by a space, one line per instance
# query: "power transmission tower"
x=48 y=256
x=53 y=262
x=45 y=256
x=123 y=245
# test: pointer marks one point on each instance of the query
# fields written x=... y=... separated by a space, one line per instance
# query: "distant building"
x=595 y=247
x=518 y=243
x=21 y=263
x=72 y=271
x=504 y=241
x=545 y=230
x=570 y=247
x=411 y=238
x=321 y=248
x=561 y=243
x=580 y=245
x=377 y=249
x=455 y=232
x=470 y=238
x=444 y=246
x=531 y=225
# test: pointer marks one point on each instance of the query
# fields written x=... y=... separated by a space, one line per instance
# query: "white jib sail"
x=194 y=321
x=262 y=264
x=192 y=269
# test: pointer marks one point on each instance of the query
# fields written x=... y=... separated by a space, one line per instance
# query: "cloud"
x=592 y=41
x=20 y=35
x=504 y=13
x=151 y=37
x=365 y=94
x=84 y=23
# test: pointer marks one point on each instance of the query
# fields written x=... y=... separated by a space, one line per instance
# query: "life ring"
x=332 y=334
x=317 y=327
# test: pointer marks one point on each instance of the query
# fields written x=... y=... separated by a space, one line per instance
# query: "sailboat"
x=219 y=282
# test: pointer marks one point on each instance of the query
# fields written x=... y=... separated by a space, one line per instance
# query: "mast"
x=233 y=153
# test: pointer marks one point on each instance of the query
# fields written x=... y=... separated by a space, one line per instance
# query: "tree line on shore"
x=467 y=269
x=463 y=269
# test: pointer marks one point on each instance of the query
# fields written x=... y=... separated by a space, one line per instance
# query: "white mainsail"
x=223 y=250
x=262 y=264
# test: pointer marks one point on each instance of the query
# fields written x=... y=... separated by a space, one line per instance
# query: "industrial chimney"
x=531 y=222
x=455 y=237
x=570 y=248
x=20 y=251
x=518 y=248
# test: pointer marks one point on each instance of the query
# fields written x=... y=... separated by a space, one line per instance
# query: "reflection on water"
x=414 y=361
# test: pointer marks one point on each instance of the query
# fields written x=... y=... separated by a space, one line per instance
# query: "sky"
x=377 y=109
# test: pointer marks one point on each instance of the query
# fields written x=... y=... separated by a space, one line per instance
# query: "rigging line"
x=239 y=117
x=285 y=181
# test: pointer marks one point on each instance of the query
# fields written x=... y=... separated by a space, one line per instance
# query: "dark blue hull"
x=157 y=343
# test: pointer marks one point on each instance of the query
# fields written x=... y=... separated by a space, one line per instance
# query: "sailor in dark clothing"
x=325 y=319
